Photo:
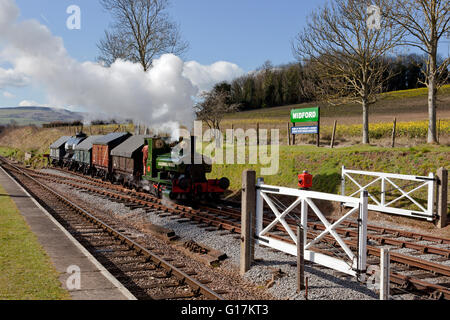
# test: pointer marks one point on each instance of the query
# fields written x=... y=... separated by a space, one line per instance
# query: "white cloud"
x=12 y=78
x=204 y=77
x=163 y=94
x=8 y=95
x=31 y=103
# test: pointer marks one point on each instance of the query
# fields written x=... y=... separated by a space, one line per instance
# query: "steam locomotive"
x=145 y=163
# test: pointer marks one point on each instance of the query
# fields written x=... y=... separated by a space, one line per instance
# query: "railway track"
x=410 y=272
x=146 y=274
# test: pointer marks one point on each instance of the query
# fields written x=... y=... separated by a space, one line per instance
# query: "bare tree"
x=141 y=32
x=426 y=21
x=347 y=53
x=215 y=104
x=113 y=47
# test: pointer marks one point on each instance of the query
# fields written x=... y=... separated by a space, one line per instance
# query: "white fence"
x=387 y=185
x=353 y=263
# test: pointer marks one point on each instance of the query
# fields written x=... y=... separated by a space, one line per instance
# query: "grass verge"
x=325 y=164
x=26 y=272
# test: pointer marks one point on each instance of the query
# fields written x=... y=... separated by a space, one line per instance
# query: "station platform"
x=65 y=252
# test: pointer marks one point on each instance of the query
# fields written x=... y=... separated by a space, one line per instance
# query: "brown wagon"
x=127 y=161
x=101 y=157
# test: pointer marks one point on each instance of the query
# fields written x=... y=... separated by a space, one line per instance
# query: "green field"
x=26 y=272
x=403 y=102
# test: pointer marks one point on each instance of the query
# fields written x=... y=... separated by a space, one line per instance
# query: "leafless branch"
x=141 y=31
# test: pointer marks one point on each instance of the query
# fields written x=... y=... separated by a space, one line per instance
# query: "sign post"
x=306 y=115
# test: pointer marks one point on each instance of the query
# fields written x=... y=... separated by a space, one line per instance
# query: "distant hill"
x=36 y=115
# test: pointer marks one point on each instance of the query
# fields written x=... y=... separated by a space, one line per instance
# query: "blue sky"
x=245 y=32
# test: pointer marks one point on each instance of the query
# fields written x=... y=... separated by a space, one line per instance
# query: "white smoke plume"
x=161 y=96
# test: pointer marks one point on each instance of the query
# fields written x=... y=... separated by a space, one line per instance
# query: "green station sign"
x=305 y=115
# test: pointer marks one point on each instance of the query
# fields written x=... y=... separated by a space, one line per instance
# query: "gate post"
x=383 y=191
x=342 y=181
x=441 y=201
x=300 y=259
x=248 y=211
x=384 y=276
x=362 y=236
x=431 y=194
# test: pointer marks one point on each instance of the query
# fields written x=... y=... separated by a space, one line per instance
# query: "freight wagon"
x=58 y=151
x=70 y=146
x=82 y=158
x=101 y=153
x=127 y=164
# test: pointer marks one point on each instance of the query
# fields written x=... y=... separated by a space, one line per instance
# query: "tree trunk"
x=432 y=137
x=432 y=92
x=365 y=107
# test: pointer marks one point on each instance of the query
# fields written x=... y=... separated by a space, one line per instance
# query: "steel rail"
x=197 y=287
x=202 y=217
x=399 y=233
x=382 y=230
x=379 y=239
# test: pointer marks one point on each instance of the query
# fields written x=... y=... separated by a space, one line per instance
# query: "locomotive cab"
x=175 y=175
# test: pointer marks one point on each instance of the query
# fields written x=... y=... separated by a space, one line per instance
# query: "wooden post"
x=232 y=133
x=248 y=210
x=384 y=275
x=439 y=131
x=257 y=133
x=441 y=197
x=333 y=135
x=288 y=131
x=300 y=260
x=293 y=136
x=306 y=289
x=318 y=130
x=394 y=128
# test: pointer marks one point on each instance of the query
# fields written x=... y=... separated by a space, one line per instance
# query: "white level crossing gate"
x=388 y=183
x=353 y=264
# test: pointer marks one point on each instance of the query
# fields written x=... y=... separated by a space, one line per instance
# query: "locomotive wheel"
x=214 y=196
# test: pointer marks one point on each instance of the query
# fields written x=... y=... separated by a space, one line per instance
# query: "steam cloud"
x=163 y=95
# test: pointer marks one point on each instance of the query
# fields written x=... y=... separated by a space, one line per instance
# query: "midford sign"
x=305 y=115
